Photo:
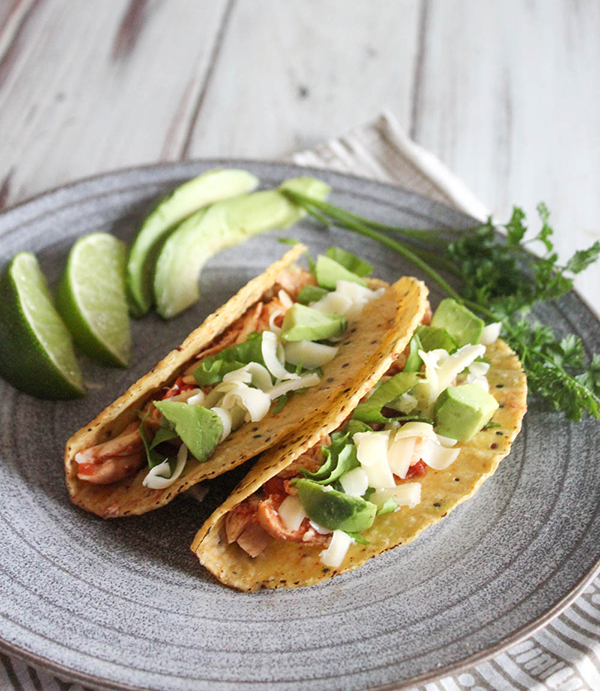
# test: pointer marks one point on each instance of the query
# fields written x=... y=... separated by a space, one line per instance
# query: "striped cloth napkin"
x=565 y=656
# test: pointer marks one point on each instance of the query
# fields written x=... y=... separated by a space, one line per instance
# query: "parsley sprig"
x=502 y=279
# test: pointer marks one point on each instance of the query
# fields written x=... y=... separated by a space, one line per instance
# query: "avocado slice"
x=335 y=510
x=461 y=411
x=303 y=323
x=222 y=225
x=194 y=194
x=464 y=326
x=329 y=272
x=198 y=428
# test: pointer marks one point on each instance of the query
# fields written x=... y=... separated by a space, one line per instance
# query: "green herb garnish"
x=501 y=280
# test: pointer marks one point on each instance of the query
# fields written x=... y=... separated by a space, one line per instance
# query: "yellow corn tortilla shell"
x=385 y=325
x=289 y=565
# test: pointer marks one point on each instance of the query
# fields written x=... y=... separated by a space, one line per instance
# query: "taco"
x=259 y=368
x=372 y=474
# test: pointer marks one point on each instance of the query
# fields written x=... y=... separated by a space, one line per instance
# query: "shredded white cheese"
x=407 y=494
x=490 y=333
x=436 y=456
x=400 y=455
x=372 y=452
x=355 y=482
x=292 y=512
x=338 y=547
x=310 y=355
x=271 y=350
x=226 y=421
x=253 y=373
x=196 y=399
x=348 y=299
x=287 y=386
x=160 y=476
x=254 y=401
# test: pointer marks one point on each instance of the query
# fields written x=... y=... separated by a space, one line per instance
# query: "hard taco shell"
x=288 y=565
x=384 y=328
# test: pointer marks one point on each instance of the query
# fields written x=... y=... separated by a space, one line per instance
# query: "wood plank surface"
x=93 y=86
x=291 y=74
x=508 y=96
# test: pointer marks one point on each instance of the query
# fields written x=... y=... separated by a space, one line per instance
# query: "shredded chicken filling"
x=122 y=456
x=255 y=523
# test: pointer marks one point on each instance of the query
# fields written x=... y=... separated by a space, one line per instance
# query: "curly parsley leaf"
x=502 y=280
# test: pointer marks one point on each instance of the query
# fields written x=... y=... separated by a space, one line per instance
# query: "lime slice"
x=92 y=300
x=194 y=194
x=36 y=351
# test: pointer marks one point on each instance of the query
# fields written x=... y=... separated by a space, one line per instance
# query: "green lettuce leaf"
x=213 y=368
x=370 y=410
x=350 y=261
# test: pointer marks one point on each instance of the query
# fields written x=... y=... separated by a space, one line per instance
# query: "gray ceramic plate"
x=125 y=603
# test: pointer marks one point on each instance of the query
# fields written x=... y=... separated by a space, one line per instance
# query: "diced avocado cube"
x=461 y=411
x=311 y=294
x=329 y=272
x=198 y=428
x=303 y=323
x=434 y=338
x=335 y=510
x=464 y=326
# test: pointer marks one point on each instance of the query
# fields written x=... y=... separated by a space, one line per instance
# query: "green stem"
x=432 y=236
x=362 y=229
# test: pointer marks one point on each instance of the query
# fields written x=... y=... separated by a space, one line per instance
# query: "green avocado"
x=335 y=510
x=464 y=326
x=194 y=194
x=461 y=411
x=329 y=272
x=198 y=428
x=434 y=338
x=224 y=224
x=303 y=323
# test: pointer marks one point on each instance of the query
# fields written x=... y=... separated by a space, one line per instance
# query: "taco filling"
x=272 y=352
x=435 y=395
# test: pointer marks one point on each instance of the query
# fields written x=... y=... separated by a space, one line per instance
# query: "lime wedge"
x=210 y=187
x=36 y=351
x=92 y=300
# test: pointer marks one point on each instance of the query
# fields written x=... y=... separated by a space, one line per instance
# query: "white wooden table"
x=506 y=93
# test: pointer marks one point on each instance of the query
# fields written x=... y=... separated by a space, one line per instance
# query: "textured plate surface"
x=125 y=603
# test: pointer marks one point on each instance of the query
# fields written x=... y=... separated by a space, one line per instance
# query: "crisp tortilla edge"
x=113 y=419
x=514 y=405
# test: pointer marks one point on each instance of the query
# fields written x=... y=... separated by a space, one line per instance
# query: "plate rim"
x=465 y=663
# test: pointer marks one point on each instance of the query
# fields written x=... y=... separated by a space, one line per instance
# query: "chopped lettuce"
x=370 y=410
x=213 y=368
x=350 y=261
x=357 y=537
x=340 y=458
x=413 y=361
x=388 y=507
x=310 y=294
x=198 y=428
x=153 y=456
